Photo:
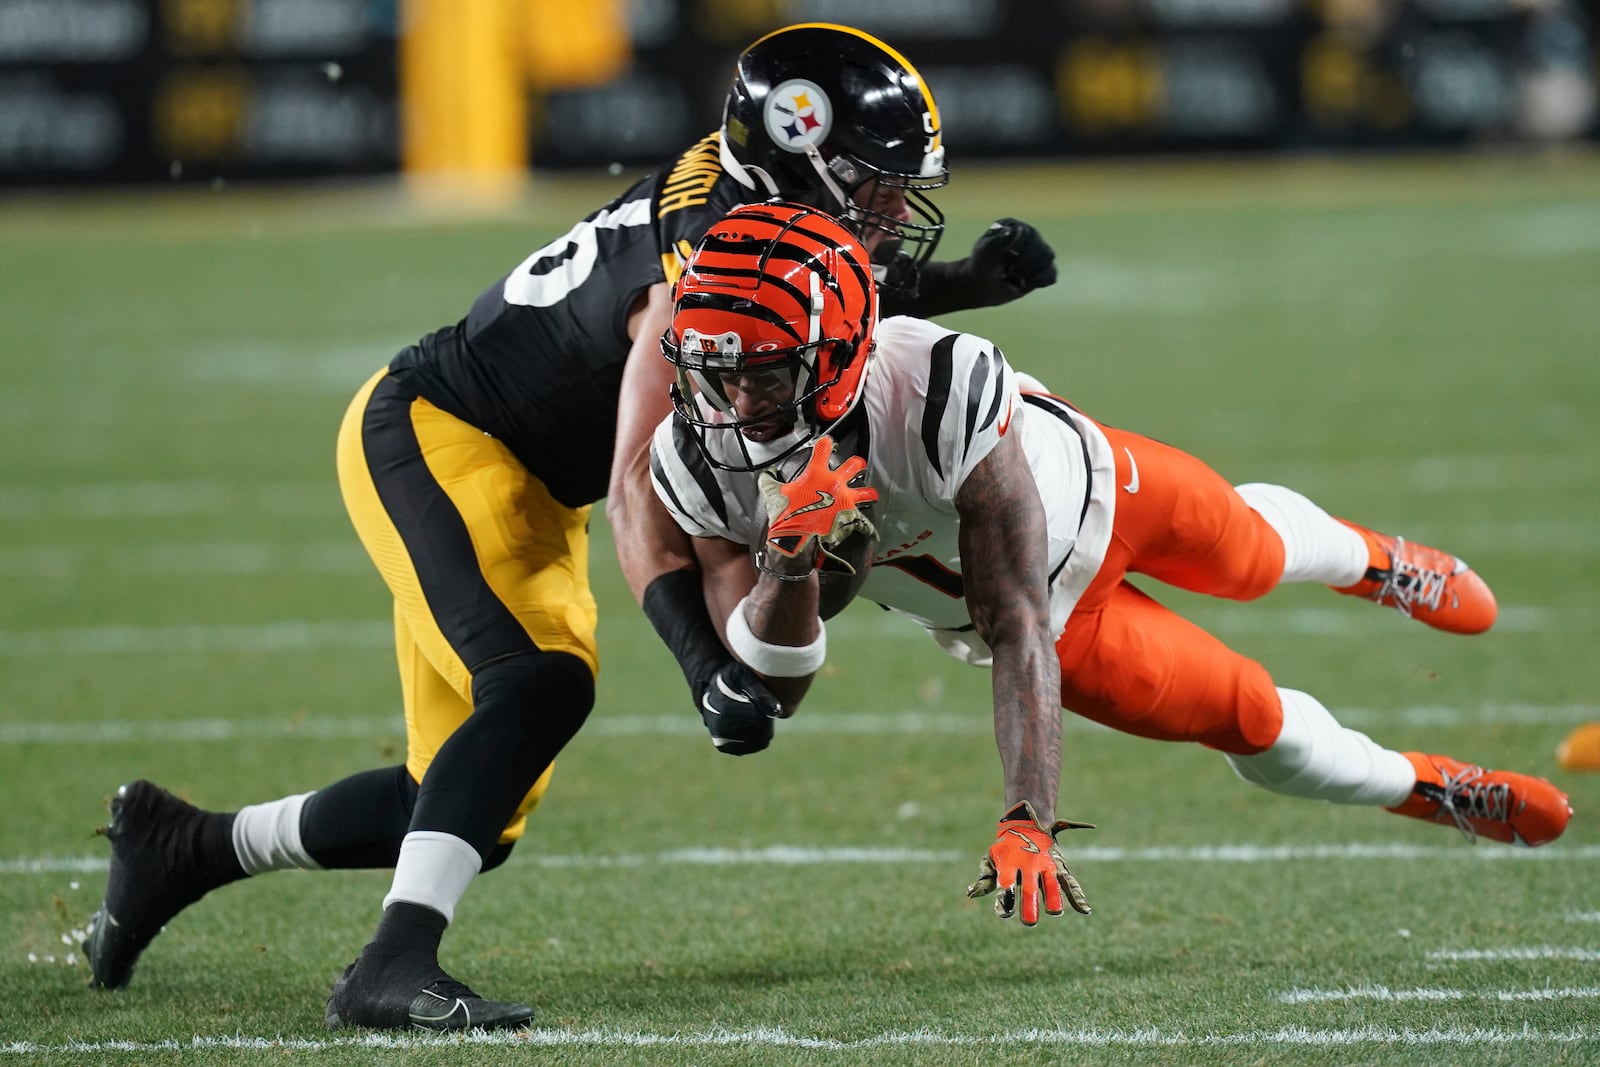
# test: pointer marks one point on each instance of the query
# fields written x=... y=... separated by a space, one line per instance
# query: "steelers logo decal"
x=798 y=115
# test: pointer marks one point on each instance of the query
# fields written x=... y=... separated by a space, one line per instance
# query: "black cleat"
x=155 y=873
x=413 y=993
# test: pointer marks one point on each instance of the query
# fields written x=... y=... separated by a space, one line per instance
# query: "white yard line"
x=1384 y=993
x=800 y=856
x=1253 y=620
x=293 y=636
x=1477 y=474
x=55 y=561
x=816 y=723
x=1483 y=715
x=124 y=732
x=1497 y=955
x=145 y=500
x=192 y=560
x=298 y=635
x=773 y=1037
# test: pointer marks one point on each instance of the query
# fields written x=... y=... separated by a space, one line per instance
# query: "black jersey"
x=538 y=361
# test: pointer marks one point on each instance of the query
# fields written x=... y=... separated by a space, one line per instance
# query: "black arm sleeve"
x=675 y=604
x=940 y=289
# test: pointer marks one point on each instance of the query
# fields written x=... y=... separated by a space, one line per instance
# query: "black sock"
x=406 y=929
x=219 y=863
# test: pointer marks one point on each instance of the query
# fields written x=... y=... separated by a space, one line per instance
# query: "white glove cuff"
x=774 y=661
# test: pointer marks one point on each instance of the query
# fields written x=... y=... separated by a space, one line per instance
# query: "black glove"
x=737 y=709
x=1008 y=260
x=735 y=706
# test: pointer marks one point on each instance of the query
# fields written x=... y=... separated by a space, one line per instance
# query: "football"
x=1580 y=749
x=838 y=586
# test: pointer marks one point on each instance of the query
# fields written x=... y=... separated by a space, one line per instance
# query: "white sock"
x=434 y=870
x=1316 y=546
x=266 y=837
x=1316 y=757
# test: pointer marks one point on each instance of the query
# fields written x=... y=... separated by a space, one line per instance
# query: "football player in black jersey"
x=469 y=465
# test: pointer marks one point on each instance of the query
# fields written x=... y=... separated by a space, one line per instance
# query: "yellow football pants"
x=481 y=561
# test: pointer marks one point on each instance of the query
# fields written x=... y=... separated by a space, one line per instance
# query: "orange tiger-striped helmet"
x=771 y=333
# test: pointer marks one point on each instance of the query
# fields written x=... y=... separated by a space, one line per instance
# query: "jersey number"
x=551 y=273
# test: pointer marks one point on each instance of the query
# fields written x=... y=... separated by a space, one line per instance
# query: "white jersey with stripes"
x=934 y=404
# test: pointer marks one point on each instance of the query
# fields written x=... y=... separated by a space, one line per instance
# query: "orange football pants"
x=1138 y=667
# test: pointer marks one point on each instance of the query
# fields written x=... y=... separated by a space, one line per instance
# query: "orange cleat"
x=1517 y=809
x=1423 y=583
x=1580 y=750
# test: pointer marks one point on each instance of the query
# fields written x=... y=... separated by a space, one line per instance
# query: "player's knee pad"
x=525 y=709
x=535 y=698
x=1247 y=563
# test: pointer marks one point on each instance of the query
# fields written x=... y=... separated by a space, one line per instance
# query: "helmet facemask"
x=916 y=237
x=703 y=397
x=769 y=307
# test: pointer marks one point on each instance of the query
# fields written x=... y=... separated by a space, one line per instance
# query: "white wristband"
x=774 y=661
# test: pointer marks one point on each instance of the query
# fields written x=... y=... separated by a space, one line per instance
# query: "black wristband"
x=675 y=604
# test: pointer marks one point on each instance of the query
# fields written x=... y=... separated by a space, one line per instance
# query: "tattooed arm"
x=1004 y=561
x=780 y=612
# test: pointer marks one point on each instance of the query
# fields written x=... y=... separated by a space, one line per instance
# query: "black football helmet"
x=817 y=111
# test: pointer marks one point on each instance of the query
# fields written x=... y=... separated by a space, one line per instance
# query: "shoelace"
x=1464 y=801
x=1409 y=585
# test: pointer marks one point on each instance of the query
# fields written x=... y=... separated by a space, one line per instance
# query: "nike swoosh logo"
x=824 y=500
x=420 y=1019
x=1005 y=423
x=1027 y=842
x=731 y=694
x=1133 y=479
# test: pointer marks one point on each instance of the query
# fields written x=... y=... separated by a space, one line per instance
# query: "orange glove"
x=819 y=506
x=1023 y=858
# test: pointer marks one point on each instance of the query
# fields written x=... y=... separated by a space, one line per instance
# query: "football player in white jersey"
x=1004 y=522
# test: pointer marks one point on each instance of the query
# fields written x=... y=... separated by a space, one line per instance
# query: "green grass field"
x=1413 y=344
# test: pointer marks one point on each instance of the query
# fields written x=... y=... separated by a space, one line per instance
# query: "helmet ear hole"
x=840 y=355
x=846 y=171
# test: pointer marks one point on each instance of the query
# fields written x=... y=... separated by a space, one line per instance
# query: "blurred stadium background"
x=1348 y=245
x=117 y=91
